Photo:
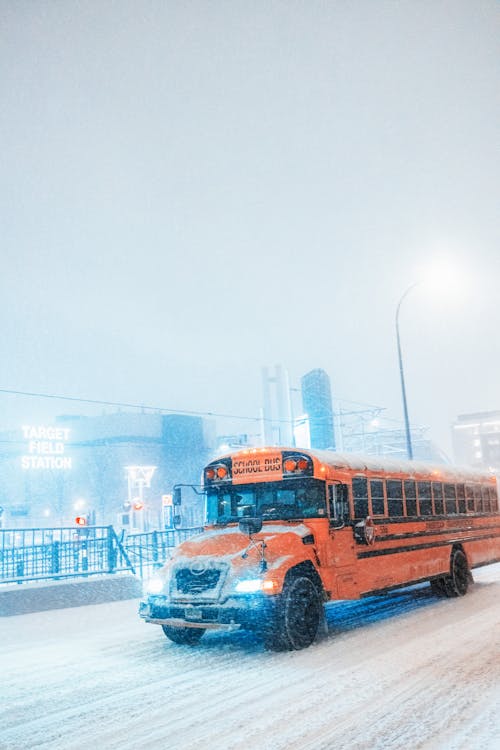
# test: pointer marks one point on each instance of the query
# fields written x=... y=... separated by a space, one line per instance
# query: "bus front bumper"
x=248 y=612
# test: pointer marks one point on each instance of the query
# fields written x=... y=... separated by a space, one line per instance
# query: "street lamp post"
x=139 y=477
x=409 y=448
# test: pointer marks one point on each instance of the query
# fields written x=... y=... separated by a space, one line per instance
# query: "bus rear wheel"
x=184 y=636
x=457 y=582
x=295 y=622
x=438 y=586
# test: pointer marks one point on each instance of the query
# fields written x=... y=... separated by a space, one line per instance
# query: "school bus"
x=289 y=530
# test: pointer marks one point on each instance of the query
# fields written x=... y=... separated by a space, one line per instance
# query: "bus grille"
x=188 y=582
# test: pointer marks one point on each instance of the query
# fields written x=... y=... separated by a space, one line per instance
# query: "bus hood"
x=229 y=541
x=207 y=567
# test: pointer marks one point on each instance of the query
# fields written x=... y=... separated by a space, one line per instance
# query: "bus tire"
x=295 y=622
x=184 y=636
x=457 y=583
x=438 y=587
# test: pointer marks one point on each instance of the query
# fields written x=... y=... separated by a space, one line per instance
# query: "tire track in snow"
x=379 y=680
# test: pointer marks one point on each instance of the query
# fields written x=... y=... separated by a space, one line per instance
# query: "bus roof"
x=379 y=464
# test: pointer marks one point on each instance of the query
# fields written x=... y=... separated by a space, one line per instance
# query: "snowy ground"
x=404 y=671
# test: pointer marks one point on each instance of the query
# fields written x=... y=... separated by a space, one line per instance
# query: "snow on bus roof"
x=362 y=462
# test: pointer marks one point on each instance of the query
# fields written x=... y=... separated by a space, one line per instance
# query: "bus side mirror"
x=249 y=525
x=177 y=498
x=364 y=531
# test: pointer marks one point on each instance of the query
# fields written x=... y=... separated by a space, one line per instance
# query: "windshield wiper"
x=224 y=520
x=281 y=517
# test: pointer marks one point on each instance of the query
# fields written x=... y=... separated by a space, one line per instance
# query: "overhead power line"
x=368 y=408
x=126 y=405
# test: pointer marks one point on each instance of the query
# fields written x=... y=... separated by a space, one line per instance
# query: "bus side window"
x=338 y=496
x=411 y=497
x=469 y=494
x=394 y=497
x=461 y=498
x=477 y=498
x=450 y=499
x=486 y=499
x=494 y=499
x=377 y=497
x=360 y=493
x=424 y=498
x=437 y=492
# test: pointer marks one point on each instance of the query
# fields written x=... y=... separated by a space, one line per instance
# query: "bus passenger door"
x=341 y=545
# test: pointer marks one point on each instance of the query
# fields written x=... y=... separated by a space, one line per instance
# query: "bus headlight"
x=153 y=585
x=249 y=585
x=252 y=585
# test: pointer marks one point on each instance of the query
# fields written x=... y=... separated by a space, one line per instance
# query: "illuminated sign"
x=46 y=448
x=256 y=466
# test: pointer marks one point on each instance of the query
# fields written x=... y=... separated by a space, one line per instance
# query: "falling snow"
x=406 y=670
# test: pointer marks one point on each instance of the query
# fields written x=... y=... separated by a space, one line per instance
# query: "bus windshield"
x=293 y=499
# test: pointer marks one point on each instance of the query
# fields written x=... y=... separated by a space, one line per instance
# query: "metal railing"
x=66 y=552
x=69 y=552
x=148 y=551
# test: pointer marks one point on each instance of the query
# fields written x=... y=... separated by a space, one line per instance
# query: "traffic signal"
x=81 y=520
x=138 y=505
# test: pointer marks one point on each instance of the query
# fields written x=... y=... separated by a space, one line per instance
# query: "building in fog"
x=476 y=439
x=276 y=407
x=79 y=466
x=384 y=438
x=317 y=405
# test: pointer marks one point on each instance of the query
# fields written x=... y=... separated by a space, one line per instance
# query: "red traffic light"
x=81 y=521
x=138 y=505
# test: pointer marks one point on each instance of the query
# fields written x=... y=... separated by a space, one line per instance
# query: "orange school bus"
x=288 y=530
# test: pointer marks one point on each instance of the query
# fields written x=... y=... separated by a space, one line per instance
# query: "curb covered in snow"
x=36 y=597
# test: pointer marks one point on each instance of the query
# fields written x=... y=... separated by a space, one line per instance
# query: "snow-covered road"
x=404 y=671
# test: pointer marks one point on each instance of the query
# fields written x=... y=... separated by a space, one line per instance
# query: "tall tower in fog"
x=317 y=403
x=276 y=409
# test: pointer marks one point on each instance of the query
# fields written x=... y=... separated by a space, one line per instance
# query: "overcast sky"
x=192 y=190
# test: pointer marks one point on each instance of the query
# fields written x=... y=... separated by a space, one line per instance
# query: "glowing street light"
x=441 y=268
x=409 y=447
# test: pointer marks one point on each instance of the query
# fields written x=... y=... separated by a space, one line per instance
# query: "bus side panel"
x=421 y=556
x=382 y=569
x=482 y=552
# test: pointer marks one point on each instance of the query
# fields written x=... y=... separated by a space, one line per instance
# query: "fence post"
x=56 y=556
x=85 y=555
x=112 y=550
x=19 y=565
x=155 y=549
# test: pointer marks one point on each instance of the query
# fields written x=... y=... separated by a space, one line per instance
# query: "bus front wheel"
x=185 y=636
x=295 y=622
